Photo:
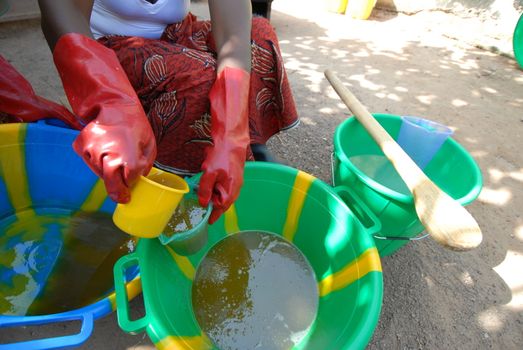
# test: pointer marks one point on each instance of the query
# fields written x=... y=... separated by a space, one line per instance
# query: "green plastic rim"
x=517 y=41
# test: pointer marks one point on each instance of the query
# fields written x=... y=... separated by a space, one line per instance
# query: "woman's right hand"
x=118 y=143
x=117 y=154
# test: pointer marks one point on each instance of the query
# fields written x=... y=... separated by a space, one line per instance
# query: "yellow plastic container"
x=360 y=9
x=154 y=198
x=336 y=6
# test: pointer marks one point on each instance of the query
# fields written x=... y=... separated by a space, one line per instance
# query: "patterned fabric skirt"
x=173 y=75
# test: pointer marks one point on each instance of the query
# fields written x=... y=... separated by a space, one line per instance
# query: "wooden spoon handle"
x=405 y=166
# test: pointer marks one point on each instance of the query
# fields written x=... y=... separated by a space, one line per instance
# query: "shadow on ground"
x=433 y=298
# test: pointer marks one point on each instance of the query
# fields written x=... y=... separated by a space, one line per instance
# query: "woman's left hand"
x=223 y=166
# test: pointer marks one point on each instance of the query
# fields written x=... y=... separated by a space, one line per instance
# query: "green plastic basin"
x=453 y=169
x=305 y=211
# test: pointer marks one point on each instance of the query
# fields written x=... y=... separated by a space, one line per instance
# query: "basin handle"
x=67 y=341
x=361 y=211
x=122 y=299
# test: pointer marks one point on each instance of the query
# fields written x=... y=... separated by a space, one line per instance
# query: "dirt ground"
x=429 y=64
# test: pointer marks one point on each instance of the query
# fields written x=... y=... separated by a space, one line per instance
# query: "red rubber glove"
x=222 y=176
x=118 y=144
x=21 y=104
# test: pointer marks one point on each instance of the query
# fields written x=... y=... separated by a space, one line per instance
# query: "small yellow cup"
x=154 y=199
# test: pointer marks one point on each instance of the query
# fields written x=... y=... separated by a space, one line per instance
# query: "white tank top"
x=136 y=17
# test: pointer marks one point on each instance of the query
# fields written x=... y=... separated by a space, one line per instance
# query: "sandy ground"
x=404 y=65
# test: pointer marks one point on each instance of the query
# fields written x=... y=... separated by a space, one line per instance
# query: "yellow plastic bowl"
x=154 y=198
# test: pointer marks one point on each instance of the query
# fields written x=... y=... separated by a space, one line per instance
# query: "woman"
x=154 y=85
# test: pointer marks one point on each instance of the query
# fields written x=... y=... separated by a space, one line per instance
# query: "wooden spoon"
x=447 y=221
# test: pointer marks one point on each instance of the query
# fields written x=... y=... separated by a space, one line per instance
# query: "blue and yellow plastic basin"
x=44 y=189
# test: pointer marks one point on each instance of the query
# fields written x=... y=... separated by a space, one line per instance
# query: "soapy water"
x=255 y=290
x=56 y=260
x=380 y=169
x=188 y=215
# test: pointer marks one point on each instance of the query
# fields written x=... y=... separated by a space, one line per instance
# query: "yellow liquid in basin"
x=56 y=260
x=255 y=290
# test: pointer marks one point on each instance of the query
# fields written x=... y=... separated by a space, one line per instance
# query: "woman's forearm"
x=60 y=17
x=231 y=29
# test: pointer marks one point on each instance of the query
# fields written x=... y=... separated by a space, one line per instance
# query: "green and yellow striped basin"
x=305 y=211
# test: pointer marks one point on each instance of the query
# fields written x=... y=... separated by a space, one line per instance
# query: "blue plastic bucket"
x=42 y=180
